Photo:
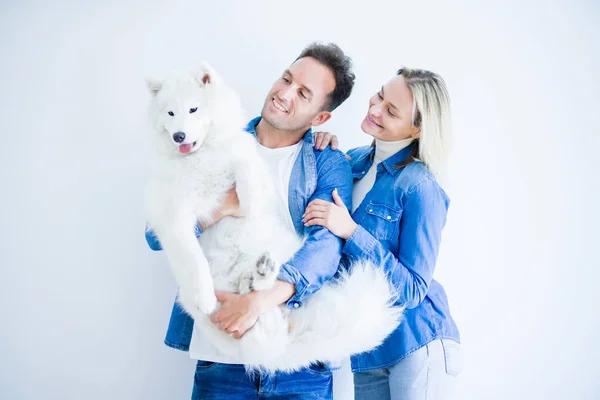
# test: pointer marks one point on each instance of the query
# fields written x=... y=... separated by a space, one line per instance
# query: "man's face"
x=296 y=100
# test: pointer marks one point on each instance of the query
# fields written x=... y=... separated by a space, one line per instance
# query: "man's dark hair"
x=331 y=56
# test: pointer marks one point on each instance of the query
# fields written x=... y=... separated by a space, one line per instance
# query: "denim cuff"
x=197 y=229
x=287 y=273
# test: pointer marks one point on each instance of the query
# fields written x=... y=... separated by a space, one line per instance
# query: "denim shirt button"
x=370 y=210
x=296 y=305
x=389 y=217
x=363 y=172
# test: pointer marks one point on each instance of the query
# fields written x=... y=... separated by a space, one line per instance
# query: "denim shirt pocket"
x=382 y=221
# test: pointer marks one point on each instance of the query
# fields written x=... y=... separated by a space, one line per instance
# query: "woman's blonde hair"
x=431 y=113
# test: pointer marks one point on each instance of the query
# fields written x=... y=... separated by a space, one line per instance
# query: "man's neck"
x=273 y=138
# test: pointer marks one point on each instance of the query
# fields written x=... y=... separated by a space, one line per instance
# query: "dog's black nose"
x=179 y=137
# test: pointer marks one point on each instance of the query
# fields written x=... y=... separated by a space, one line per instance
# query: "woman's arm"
x=422 y=221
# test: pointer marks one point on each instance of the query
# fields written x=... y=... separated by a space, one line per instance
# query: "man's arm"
x=229 y=207
x=153 y=241
x=318 y=259
x=312 y=265
x=239 y=313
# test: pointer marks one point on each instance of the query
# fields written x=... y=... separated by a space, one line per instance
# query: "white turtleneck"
x=383 y=150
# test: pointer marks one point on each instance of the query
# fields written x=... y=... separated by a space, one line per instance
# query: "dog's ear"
x=205 y=74
x=153 y=85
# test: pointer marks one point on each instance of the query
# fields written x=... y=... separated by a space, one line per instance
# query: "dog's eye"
x=193 y=110
x=171 y=113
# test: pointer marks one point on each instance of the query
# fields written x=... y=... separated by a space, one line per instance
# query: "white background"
x=84 y=303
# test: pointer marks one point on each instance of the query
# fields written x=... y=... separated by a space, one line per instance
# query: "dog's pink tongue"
x=186 y=148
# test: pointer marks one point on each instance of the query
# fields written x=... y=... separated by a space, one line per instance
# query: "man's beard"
x=280 y=125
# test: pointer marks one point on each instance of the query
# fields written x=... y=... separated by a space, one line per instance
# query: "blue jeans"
x=429 y=373
x=231 y=382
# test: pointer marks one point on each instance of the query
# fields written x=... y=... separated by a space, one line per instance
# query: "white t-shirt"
x=280 y=163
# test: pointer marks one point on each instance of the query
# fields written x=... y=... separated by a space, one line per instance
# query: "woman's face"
x=390 y=113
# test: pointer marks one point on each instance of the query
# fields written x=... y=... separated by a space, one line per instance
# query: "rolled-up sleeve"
x=154 y=243
x=318 y=259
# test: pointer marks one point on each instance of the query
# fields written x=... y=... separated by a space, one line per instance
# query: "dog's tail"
x=349 y=315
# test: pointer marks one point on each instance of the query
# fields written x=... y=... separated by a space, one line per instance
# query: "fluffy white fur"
x=349 y=315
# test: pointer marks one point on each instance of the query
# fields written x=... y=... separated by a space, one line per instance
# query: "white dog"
x=203 y=151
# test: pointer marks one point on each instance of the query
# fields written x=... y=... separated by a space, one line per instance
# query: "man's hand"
x=238 y=312
x=230 y=207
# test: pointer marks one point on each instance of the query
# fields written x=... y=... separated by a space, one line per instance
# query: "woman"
x=398 y=213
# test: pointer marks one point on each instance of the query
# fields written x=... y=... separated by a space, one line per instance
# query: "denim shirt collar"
x=251 y=128
x=362 y=164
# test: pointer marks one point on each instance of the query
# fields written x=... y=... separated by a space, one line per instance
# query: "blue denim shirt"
x=314 y=176
x=400 y=222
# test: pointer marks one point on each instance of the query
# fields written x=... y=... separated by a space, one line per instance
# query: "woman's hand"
x=333 y=216
x=324 y=139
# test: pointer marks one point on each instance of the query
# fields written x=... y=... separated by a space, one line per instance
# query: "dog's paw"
x=265 y=273
x=205 y=301
x=265 y=266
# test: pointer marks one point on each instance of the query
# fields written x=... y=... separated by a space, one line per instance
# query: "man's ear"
x=321 y=118
x=205 y=74
x=154 y=85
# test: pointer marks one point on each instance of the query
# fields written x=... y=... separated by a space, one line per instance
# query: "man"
x=316 y=83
